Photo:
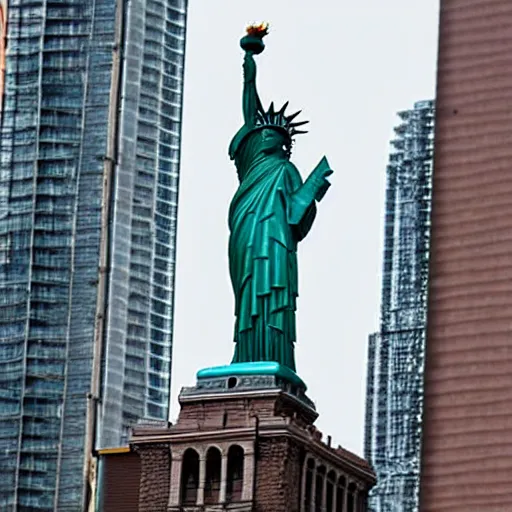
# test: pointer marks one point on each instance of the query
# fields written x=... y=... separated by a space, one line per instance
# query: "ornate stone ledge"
x=238 y=384
x=235 y=507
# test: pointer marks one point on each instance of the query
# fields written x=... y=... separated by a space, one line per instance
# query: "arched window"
x=331 y=485
x=319 y=489
x=340 y=493
x=351 y=498
x=189 y=477
x=309 y=483
x=235 y=474
x=212 y=480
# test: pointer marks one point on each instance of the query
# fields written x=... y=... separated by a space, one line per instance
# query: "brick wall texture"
x=155 y=477
x=467 y=439
x=278 y=476
x=233 y=413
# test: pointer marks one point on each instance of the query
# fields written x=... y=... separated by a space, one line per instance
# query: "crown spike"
x=271 y=110
x=300 y=123
x=283 y=108
x=297 y=132
x=293 y=116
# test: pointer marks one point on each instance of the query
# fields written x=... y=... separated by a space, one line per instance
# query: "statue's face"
x=273 y=141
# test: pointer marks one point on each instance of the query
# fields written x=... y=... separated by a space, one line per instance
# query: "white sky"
x=350 y=66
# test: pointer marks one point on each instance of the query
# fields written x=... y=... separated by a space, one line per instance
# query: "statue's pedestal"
x=245 y=441
x=249 y=378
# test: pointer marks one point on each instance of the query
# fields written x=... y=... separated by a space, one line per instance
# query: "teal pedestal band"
x=253 y=368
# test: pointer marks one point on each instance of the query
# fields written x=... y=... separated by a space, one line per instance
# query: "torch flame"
x=259 y=30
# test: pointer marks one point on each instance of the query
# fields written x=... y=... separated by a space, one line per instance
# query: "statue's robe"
x=269 y=214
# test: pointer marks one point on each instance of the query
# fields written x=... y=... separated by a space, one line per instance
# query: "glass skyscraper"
x=3 y=31
x=89 y=169
x=396 y=353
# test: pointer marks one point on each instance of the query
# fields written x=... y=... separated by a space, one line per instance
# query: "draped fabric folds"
x=268 y=216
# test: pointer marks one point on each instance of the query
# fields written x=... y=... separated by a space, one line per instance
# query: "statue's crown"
x=269 y=119
x=278 y=120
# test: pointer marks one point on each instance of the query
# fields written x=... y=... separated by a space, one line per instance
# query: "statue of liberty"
x=271 y=212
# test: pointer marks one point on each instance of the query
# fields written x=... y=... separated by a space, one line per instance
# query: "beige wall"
x=467 y=443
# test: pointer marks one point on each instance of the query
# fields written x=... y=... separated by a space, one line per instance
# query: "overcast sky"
x=350 y=66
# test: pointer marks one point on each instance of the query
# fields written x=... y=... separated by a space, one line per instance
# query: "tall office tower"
x=89 y=161
x=467 y=437
x=396 y=353
x=3 y=32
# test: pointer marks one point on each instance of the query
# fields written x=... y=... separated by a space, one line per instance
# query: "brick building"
x=467 y=434
x=244 y=443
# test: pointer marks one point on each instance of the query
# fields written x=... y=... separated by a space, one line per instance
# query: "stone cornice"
x=198 y=435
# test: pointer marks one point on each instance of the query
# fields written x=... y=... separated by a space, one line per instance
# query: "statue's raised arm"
x=271 y=212
x=253 y=45
x=251 y=103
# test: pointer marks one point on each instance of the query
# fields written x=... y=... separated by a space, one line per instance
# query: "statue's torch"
x=253 y=41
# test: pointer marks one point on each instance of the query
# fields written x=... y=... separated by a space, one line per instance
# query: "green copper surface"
x=257 y=368
x=271 y=212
